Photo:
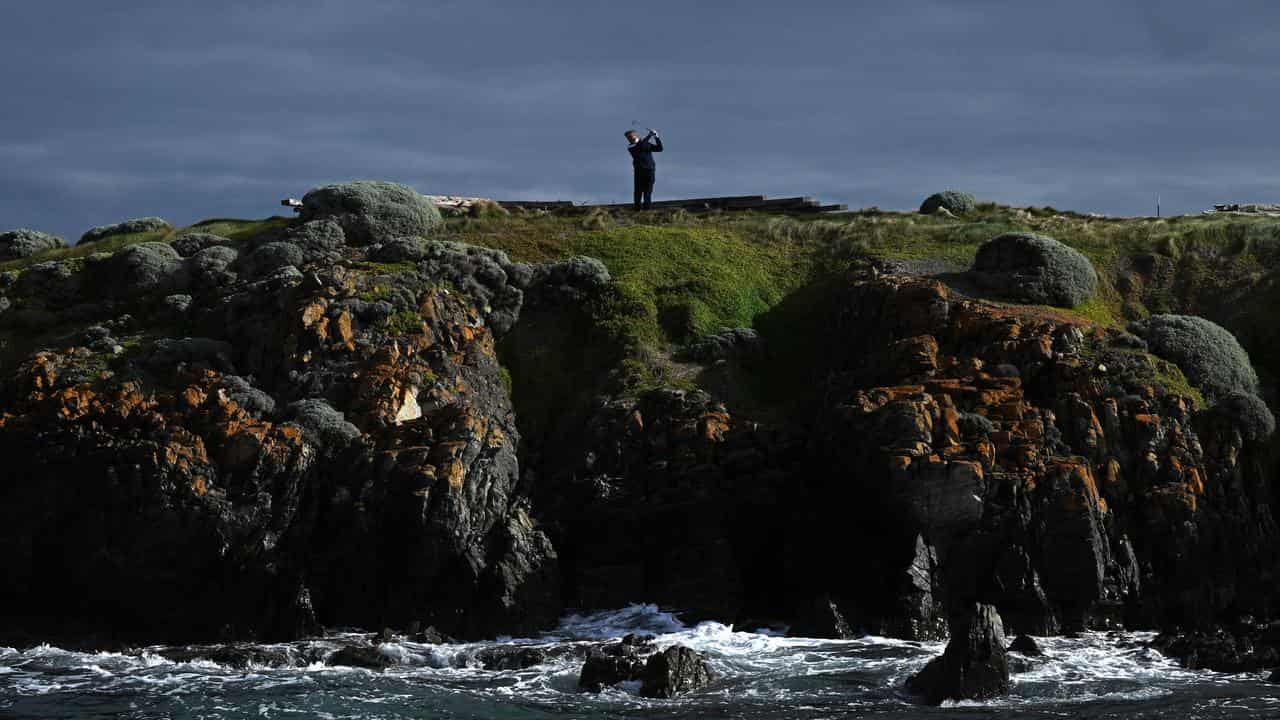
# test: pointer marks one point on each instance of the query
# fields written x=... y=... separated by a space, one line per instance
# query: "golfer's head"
x=632 y=135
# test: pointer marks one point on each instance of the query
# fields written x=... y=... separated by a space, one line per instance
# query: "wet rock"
x=824 y=620
x=371 y=658
x=1220 y=650
x=675 y=671
x=974 y=665
x=238 y=656
x=510 y=658
x=610 y=665
x=431 y=636
x=1026 y=645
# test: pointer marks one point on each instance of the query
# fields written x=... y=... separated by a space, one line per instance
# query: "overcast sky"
x=193 y=110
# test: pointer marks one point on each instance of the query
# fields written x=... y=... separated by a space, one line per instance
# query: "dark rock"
x=431 y=636
x=396 y=250
x=974 y=665
x=487 y=275
x=238 y=656
x=322 y=424
x=610 y=665
x=1026 y=645
x=210 y=267
x=675 y=671
x=507 y=657
x=269 y=258
x=319 y=240
x=25 y=243
x=824 y=620
x=563 y=281
x=360 y=656
x=1275 y=677
x=737 y=343
x=1220 y=651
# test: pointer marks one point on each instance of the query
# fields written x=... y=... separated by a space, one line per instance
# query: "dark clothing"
x=644 y=187
x=642 y=152
x=645 y=169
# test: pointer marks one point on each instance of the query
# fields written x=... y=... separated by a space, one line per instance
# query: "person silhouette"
x=643 y=166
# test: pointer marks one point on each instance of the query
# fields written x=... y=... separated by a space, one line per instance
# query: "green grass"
x=238 y=230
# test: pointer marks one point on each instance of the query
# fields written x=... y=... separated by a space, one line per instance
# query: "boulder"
x=952 y=202
x=675 y=671
x=372 y=211
x=974 y=665
x=566 y=281
x=1248 y=413
x=1035 y=269
x=614 y=663
x=1026 y=645
x=368 y=657
x=321 y=424
x=25 y=243
x=487 y=275
x=128 y=227
x=510 y=657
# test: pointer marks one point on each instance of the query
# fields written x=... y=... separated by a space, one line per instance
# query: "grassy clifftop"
x=679 y=276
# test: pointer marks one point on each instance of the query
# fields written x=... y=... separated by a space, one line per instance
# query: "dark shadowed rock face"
x=613 y=663
x=295 y=460
x=1026 y=645
x=973 y=667
x=675 y=671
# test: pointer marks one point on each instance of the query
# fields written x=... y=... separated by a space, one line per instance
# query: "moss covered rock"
x=372 y=211
x=188 y=244
x=144 y=268
x=953 y=201
x=1248 y=413
x=1207 y=353
x=25 y=243
x=128 y=227
x=1036 y=269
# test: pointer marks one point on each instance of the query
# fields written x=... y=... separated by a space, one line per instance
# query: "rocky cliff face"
x=292 y=451
x=261 y=438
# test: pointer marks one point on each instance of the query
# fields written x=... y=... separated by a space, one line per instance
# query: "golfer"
x=642 y=150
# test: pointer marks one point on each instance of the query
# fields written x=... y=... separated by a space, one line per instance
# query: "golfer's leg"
x=638 y=191
x=648 y=188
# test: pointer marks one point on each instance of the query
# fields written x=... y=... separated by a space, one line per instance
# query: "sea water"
x=758 y=674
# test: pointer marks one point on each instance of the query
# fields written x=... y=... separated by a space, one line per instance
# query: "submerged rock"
x=974 y=665
x=674 y=671
x=613 y=663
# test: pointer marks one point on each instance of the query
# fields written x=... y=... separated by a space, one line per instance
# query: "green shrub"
x=372 y=211
x=25 y=243
x=1035 y=268
x=128 y=227
x=1206 y=352
x=955 y=202
x=1248 y=413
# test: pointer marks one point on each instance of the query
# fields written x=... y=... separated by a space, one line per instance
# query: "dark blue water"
x=758 y=676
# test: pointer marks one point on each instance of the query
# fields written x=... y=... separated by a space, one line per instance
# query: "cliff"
x=372 y=417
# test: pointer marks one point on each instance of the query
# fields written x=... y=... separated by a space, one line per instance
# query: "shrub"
x=143 y=268
x=487 y=275
x=319 y=240
x=567 y=280
x=1248 y=413
x=271 y=257
x=400 y=250
x=1034 y=268
x=189 y=244
x=1207 y=353
x=208 y=268
x=955 y=202
x=22 y=243
x=483 y=208
x=128 y=227
x=371 y=211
